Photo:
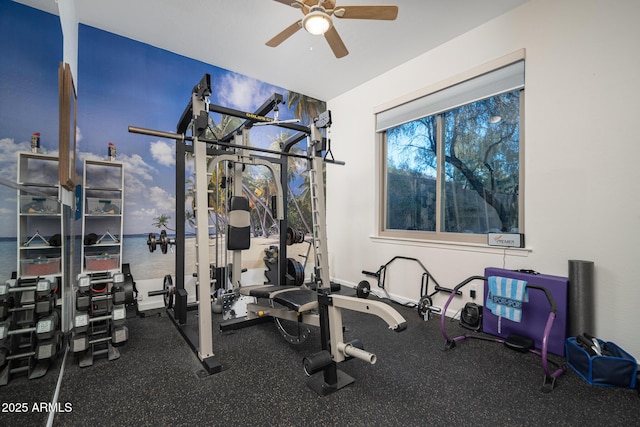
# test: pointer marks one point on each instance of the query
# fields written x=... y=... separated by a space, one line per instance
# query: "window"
x=451 y=160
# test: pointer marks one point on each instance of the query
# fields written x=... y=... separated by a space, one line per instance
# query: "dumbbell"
x=82 y=320
x=81 y=342
x=86 y=282
x=47 y=349
x=44 y=350
x=5 y=300
x=119 y=335
x=44 y=329
x=45 y=305
x=41 y=286
x=5 y=348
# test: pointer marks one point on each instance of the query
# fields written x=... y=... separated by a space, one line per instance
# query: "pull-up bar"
x=183 y=137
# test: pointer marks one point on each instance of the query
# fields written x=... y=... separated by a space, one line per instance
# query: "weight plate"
x=164 y=241
x=151 y=242
x=363 y=289
x=129 y=289
x=424 y=305
x=295 y=270
x=169 y=289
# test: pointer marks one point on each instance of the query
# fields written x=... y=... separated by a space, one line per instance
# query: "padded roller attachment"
x=316 y=362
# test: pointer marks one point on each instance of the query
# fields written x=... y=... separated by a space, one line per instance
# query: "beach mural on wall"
x=124 y=83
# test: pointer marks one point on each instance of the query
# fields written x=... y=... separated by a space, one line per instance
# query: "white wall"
x=582 y=151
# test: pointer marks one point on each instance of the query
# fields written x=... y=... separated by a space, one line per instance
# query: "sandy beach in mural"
x=146 y=265
x=251 y=258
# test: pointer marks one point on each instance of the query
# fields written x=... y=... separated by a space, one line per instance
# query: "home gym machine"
x=322 y=308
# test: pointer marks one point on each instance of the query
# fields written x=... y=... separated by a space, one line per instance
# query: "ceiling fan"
x=317 y=20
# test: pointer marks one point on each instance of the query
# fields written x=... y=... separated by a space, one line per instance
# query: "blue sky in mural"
x=120 y=83
x=28 y=92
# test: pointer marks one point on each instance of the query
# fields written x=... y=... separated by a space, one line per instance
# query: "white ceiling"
x=231 y=34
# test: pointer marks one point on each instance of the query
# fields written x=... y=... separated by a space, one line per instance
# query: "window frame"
x=381 y=140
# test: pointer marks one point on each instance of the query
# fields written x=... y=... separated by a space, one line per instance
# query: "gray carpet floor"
x=157 y=381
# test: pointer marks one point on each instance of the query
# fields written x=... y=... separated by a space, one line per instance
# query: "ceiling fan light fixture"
x=316 y=22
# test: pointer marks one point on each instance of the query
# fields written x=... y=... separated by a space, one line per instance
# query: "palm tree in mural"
x=296 y=168
x=258 y=186
x=304 y=107
x=161 y=221
x=216 y=199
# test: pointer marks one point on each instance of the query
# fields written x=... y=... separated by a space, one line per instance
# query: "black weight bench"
x=294 y=298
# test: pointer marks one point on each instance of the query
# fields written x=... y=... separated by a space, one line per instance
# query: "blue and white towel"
x=506 y=297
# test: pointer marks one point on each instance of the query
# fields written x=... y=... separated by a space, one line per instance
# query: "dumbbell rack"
x=98 y=327
x=30 y=311
x=30 y=336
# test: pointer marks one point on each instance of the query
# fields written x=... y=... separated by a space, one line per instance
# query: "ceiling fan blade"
x=296 y=4
x=285 y=34
x=336 y=43
x=383 y=12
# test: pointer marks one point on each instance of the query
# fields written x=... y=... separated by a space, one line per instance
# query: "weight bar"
x=81 y=341
x=163 y=241
x=82 y=320
x=168 y=291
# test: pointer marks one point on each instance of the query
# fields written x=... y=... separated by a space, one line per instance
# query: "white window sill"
x=456 y=246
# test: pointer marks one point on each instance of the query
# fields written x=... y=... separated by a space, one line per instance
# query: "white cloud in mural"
x=143 y=200
x=162 y=199
x=9 y=150
x=78 y=138
x=163 y=153
x=242 y=92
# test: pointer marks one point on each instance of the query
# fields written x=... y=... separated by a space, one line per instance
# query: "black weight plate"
x=164 y=241
x=363 y=289
x=423 y=306
x=295 y=270
x=169 y=289
x=151 y=242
